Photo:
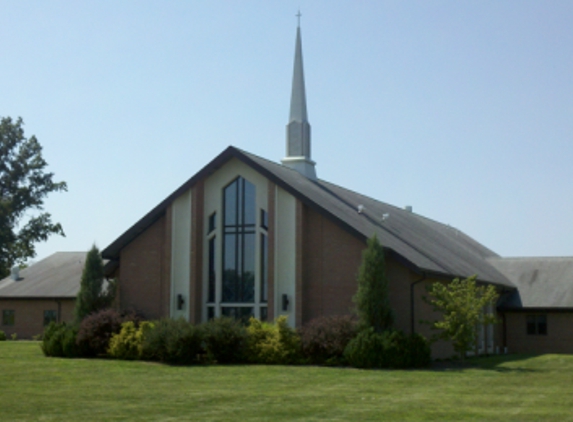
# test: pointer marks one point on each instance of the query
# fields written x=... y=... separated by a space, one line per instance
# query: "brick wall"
x=559 y=338
x=29 y=315
x=144 y=265
x=330 y=260
x=423 y=312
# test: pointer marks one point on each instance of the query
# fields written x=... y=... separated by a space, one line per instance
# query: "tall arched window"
x=240 y=291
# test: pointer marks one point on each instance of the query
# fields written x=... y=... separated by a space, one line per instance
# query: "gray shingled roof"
x=430 y=246
x=424 y=244
x=57 y=276
x=542 y=282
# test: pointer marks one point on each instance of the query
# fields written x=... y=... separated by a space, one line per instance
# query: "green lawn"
x=514 y=388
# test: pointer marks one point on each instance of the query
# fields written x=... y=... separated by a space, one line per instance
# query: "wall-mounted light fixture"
x=285 y=302
x=180 y=302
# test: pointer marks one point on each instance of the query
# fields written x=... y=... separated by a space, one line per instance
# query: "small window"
x=50 y=316
x=542 y=325
x=264 y=220
x=8 y=317
x=537 y=325
x=212 y=222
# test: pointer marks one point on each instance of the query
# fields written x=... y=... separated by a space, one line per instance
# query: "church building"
x=246 y=236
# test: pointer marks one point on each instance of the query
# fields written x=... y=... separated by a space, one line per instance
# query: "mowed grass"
x=511 y=388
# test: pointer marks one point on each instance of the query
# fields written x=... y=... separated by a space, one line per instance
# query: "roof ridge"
x=520 y=258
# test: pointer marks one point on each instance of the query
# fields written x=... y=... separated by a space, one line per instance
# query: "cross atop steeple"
x=298 y=128
x=298 y=15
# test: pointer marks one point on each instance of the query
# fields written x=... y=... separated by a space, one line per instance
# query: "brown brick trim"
x=271 y=251
x=299 y=263
x=196 y=261
x=166 y=270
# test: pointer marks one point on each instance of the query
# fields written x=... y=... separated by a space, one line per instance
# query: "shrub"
x=52 y=342
x=324 y=339
x=2 y=336
x=172 y=341
x=96 y=330
x=70 y=346
x=225 y=340
x=390 y=349
x=127 y=344
x=59 y=340
x=364 y=350
x=420 y=352
x=272 y=343
x=14 y=336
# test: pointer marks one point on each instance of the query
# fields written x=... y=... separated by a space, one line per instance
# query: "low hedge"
x=327 y=340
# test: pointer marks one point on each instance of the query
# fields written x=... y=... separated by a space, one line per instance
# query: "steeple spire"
x=298 y=95
x=298 y=128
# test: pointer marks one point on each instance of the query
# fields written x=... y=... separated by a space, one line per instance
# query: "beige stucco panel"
x=285 y=254
x=181 y=255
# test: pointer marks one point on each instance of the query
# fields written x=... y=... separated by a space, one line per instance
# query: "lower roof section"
x=542 y=282
x=56 y=277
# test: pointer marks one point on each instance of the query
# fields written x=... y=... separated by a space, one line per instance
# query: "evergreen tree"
x=371 y=299
x=92 y=296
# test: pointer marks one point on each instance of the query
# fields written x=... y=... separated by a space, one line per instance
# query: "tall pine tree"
x=371 y=299
x=92 y=296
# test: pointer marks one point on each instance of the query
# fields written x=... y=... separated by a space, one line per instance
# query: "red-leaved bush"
x=96 y=330
x=324 y=339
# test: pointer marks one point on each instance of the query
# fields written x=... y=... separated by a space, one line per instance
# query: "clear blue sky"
x=463 y=110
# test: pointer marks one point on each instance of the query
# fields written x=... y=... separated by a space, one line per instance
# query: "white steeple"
x=298 y=128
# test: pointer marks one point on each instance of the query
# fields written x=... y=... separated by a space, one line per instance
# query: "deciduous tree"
x=24 y=183
x=462 y=304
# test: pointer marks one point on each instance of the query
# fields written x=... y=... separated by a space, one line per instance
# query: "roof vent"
x=385 y=217
x=408 y=208
x=360 y=209
x=15 y=273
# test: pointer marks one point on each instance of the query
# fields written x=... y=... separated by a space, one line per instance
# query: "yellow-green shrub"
x=128 y=343
x=272 y=343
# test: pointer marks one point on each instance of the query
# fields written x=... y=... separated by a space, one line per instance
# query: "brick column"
x=197 y=232
x=166 y=265
x=299 y=263
x=271 y=250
